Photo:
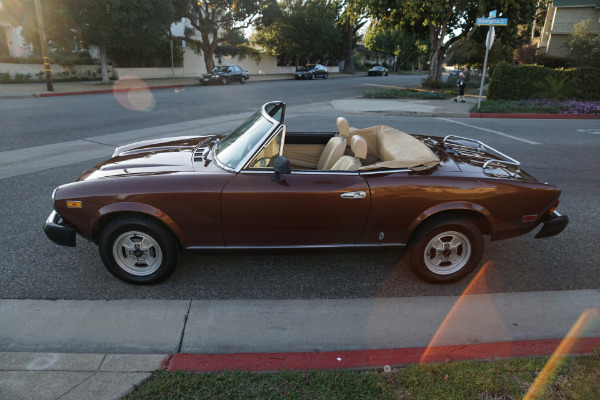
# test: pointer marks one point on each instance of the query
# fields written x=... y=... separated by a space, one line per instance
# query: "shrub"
x=4 y=77
x=516 y=82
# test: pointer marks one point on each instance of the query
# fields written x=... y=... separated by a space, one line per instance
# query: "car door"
x=306 y=208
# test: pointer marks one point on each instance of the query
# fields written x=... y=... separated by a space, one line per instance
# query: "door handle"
x=354 y=195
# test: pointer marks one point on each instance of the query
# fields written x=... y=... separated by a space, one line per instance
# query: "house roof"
x=576 y=3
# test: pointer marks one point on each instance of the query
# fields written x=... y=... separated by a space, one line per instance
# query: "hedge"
x=519 y=82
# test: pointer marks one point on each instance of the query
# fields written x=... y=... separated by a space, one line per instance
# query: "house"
x=373 y=58
x=11 y=41
x=562 y=15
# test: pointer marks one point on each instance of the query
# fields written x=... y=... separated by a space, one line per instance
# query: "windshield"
x=240 y=143
x=306 y=68
x=220 y=69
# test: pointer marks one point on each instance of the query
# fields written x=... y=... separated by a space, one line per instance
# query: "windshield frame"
x=263 y=113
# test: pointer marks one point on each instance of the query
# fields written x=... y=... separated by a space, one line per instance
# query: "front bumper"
x=59 y=232
x=553 y=224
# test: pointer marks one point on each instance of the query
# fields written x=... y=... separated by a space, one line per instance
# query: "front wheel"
x=243 y=80
x=139 y=250
x=446 y=250
x=325 y=76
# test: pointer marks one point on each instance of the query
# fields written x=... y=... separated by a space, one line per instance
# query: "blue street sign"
x=492 y=14
x=492 y=21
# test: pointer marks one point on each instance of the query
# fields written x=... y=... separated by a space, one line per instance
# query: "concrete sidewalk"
x=104 y=348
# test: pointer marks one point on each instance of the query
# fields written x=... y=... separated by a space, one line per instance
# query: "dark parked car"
x=311 y=71
x=261 y=187
x=224 y=74
x=378 y=70
x=453 y=74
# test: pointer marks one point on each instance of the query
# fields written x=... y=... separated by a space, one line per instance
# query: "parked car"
x=311 y=71
x=378 y=70
x=261 y=187
x=453 y=74
x=224 y=74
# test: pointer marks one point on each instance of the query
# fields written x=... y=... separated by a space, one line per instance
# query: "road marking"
x=506 y=135
x=592 y=131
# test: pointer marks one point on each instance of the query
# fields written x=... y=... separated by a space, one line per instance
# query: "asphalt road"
x=33 y=122
x=34 y=268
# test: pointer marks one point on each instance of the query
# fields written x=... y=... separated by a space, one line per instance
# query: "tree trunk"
x=436 y=63
x=104 y=65
x=208 y=60
x=348 y=67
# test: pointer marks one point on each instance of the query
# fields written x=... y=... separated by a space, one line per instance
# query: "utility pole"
x=42 y=29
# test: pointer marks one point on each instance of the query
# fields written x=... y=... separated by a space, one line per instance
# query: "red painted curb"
x=536 y=116
x=107 y=91
x=372 y=358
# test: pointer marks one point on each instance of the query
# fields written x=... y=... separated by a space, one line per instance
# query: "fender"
x=140 y=209
x=445 y=207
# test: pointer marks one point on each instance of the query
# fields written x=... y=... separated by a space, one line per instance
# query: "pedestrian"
x=460 y=82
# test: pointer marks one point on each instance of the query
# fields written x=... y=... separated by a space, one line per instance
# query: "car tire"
x=138 y=250
x=311 y=76
x=387 y=73
x=325 y=76
x=223 y=81
x=243 y=80
x=445 y=250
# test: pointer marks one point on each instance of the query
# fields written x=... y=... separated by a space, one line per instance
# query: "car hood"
x=161 y=156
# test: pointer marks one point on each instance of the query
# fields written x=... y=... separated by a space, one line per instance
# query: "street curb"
x=376 y=359
x=108 y=91
x=536 y=116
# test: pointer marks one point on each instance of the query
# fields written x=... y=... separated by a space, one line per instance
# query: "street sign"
x=492 y=14
x=492 y=21
x=489 y=41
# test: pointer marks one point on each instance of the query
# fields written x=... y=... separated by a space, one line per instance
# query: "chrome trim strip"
x=319 y=246
x=384 y=171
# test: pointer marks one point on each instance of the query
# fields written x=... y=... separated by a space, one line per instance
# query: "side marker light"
x=74 y=204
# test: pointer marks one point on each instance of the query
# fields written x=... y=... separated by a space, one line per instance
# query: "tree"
x=404 y=45
x=584 y=45
x=350 y=21
x=449 y=23
x=58 y=22
x=302 y=30
x=216 y=22
x=128 y=28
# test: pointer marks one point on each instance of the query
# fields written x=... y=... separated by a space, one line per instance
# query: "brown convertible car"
x=263 y=187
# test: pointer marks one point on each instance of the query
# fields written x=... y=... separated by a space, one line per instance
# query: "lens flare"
x=133 y=94
x=549 y=371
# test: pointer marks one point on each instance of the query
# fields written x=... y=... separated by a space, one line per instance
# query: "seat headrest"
x=358 y=145
x=343 y=126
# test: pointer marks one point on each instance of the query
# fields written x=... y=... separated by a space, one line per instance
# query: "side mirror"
x=281 y=166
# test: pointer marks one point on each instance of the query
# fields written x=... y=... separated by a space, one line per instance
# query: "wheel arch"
x=473 y=212
x=110 y=212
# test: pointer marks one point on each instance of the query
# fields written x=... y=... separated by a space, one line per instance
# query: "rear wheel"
x=139 y=250
x=325 y=76
x=311 y=76
x=224 y=81
x=446 y=250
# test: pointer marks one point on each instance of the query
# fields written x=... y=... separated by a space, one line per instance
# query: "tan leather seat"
x=342 y=126
x=358 y=145
x=333 y=151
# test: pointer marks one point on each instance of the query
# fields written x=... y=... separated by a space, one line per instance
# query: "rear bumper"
x=553 y=224
x=59 y=232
